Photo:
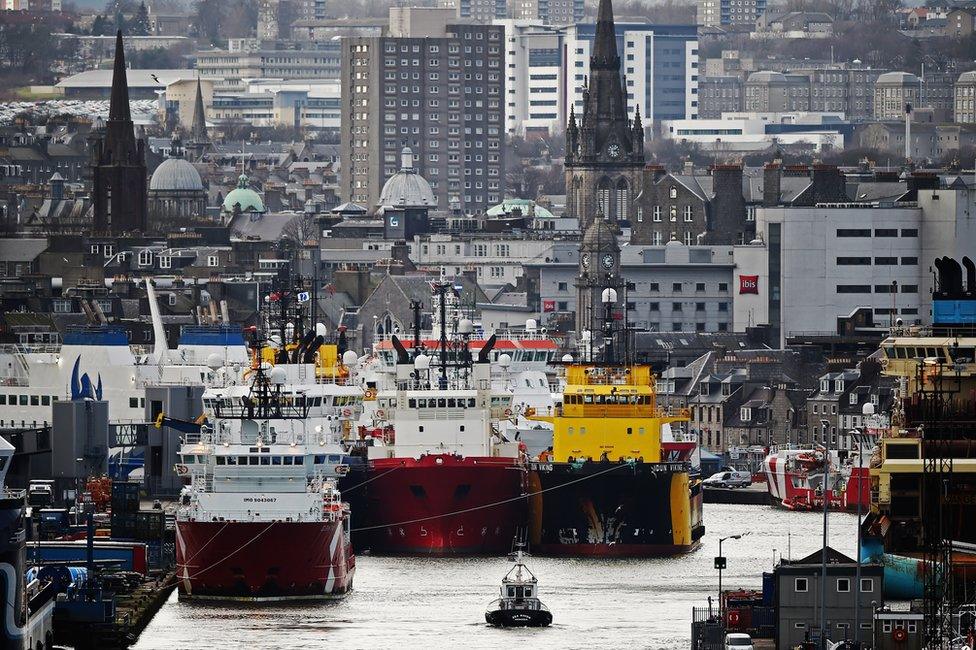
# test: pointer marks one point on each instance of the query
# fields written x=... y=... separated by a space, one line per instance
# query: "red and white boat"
x=261 y=517
x=795 y=479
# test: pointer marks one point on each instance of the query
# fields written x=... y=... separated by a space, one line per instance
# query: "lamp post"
x=720 y=564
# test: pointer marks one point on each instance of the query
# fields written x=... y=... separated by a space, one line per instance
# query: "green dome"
x=528 y=207
x=248 y=199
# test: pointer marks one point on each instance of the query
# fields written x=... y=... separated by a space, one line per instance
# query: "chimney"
x=656 y=172
x=828 y=185
x=728 y=206
x=771 y=184
x=921 y=181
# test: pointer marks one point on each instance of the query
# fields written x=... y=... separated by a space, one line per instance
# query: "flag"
x=548 y=305
x=304 y=296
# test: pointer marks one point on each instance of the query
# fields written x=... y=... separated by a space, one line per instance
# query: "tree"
x=140 y=23
x=99 y=26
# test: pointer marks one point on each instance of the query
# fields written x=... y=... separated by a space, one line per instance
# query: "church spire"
x=198 y=126
x=605 y=44
x=120 y=140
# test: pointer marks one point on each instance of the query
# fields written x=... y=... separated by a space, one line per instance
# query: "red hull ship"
x=303 y=560
x=441 y=504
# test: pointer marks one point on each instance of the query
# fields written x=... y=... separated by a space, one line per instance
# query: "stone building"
x=892 y=91
x=964 y=98
x=599 y=269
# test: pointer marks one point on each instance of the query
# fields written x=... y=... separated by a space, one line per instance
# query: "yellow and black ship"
x=618 y=480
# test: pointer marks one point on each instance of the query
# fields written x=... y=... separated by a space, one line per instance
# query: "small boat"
x=519 y=605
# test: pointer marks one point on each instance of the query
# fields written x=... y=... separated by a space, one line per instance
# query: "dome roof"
x=248 y=199
x=599 y=235
x=176 y=175
x=528 y=207
x=897 y=78
x=766 y=76
x=407 y=188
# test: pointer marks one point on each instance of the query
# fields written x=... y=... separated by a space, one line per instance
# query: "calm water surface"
x=440 y=603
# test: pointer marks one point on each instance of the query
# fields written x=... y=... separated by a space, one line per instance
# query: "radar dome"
x=214 y=361
x=505 y=360
x=349 y=358
x=531 y=325
x=422 y=362
x=278 y=376
x=465 y=326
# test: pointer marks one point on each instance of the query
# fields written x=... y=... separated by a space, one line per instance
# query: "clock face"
x=585 y=260
x=608 y=261
x=613 y=150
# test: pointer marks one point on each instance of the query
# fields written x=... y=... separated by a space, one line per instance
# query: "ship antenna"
x=416 y=306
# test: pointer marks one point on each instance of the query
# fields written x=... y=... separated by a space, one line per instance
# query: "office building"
x=441 y=95
x=533 y=68
x=482 y=11
x=251 y=59
x=892 y=92
x=550 y=12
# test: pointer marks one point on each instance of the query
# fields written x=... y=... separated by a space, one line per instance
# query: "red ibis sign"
x=748 y=284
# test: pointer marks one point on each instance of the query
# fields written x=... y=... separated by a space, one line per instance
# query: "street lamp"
x=720 y=564
x=859 y=435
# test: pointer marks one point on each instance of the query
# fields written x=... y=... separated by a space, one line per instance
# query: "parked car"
x=738 y=641
x=729 y=479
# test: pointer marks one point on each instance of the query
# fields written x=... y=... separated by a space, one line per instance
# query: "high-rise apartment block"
x=443 y=96
x=730 y=13
x=482 y=11
x=550 y=12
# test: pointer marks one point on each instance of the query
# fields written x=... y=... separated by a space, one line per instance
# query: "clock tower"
x=599 y=269
x=605 y=149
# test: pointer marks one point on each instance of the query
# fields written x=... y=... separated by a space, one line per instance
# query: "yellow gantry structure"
x=608 y=412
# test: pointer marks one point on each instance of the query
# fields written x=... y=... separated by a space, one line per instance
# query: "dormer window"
x=704 y=388
x=145 y=258
x=874 y=398
x=853 y=398
x=745 y=414
x=824 y=385
x=838 y=385
x=726 y=389
x=673 y=192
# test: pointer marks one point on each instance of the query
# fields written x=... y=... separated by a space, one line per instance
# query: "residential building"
x=442 y=96
x=729 y=13
x=482 y=11
x=960 y=22
x=768 y=91
x=928 y=140
x=794 y=25
x=893 y=91
x=964 y=98
x=550 y=12
x=799 y=596
x=719 y=94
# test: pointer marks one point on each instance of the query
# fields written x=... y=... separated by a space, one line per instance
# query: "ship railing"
x=533 y=603
x=434 y=383
x=256 y=515
x=14 y=381
x=30 y=348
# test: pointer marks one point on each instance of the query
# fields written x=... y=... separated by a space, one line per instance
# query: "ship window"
x=570 y=431
x=288 y=460
x=265 y=460
x=221 y=460
x=320 y=460
x=252 y=460
x=582 y=431
x=422 y=403
x=800 y=585
x=412 y=403
x=232 y=460
x=3 y=400
x=640 y=431
x=276 y=460
x=587 y=399
x=299 y=460
x=511 y=592
x=451 y=403
x=471 y=402
x=23 y=400
x=242 y=460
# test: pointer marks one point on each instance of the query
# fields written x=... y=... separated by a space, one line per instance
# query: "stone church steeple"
x=605 y=151
x=118 y=162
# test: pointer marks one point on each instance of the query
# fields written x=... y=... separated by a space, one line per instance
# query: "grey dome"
x=898 y=78
x=176 y=175
x=407 y=188
x=766 y=76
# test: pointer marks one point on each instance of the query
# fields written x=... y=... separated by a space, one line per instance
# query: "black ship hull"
x=614 y=509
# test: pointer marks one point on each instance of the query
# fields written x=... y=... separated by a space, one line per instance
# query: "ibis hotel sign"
x=748 y=284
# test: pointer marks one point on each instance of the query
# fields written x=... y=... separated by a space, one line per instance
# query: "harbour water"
x=423 y=602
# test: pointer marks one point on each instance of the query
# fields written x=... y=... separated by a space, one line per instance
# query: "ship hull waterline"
x=602 y=509
x=444 y=505
x=263 y=561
